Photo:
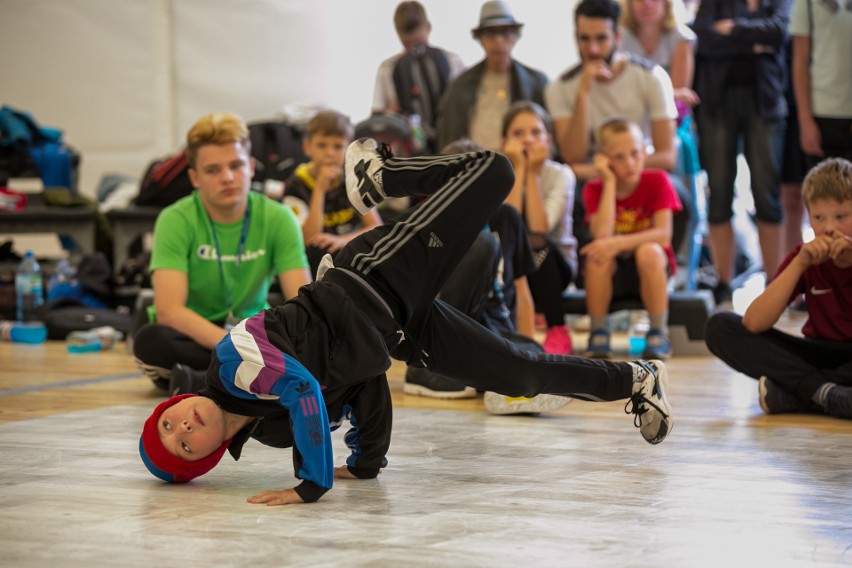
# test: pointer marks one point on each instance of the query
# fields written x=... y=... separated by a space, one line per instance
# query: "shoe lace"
x=634 y=406
x=385 y=150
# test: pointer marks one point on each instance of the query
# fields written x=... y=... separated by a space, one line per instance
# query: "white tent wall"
x=125 y=78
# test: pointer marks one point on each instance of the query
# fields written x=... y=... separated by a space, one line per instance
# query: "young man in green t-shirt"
x=215 y=255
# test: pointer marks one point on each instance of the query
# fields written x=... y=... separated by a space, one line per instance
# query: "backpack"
x=276 y=147
x=165 y=181
x=30 y=150
x=420 y=78
x=394 y=129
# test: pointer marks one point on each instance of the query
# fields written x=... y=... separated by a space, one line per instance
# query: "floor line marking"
x=68 y=384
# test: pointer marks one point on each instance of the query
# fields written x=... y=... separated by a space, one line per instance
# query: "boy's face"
x=326 y=149
x=222 y=174
x=829 y=215
x=527 y=129
x=626 y=155
x=192 y=428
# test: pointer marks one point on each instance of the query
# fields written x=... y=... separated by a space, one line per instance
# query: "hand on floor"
x=283 y=497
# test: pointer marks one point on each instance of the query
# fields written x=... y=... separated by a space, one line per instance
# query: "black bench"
x=688 y=313
x=78 y=222
x=128 y=224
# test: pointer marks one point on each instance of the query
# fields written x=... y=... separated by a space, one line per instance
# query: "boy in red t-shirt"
x=811 y=373
x=629 y=211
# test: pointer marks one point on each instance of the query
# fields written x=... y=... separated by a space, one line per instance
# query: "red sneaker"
x=557 y=341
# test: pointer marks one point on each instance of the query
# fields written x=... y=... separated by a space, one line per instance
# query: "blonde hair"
x=216 y=128
x=830 y=179
x=330 y=123
x=617 y=125
x=628 y=19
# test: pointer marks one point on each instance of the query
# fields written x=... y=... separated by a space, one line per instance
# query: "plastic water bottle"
x=63 y=282
x=96 y=339
x=19 y=332
x=637 y=331
x=28 y=288
x=417 y=133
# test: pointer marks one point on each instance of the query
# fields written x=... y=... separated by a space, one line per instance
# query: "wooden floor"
x=578 y=487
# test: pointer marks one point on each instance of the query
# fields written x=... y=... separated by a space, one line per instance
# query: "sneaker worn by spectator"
x=557 y=341
x=835 y=400
x=657 y=345
x=651 y=411
x=723 y=297
x=599 y=345
x=423 y=382
x=158 y=375
x=496 y=403
x=775 y=400
x=185 y=380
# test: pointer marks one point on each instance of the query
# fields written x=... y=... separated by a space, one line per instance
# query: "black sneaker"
x=185 y=380
x=423 y=382
x=363 y=171
x=775 y=400
x=652 y=413
x=158 y=375
x=837 y=402
x=722 y=294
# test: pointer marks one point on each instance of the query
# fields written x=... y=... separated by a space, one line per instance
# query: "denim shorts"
x=722 y=132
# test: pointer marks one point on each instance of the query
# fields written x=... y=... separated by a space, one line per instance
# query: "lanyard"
x=229 y=292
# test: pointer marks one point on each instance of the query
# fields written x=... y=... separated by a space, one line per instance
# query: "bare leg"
x=651 y=262
x=769 y=235
x=722 y=245
x=794 y=214
x=598 y=285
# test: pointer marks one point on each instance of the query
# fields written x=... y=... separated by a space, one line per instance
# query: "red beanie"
x=164 y=464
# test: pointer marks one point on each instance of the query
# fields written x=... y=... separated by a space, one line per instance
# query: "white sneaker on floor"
x=652 y=412
x=363 y=171
x=496 y=403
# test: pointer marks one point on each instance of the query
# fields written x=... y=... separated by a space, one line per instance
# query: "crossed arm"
x=765 y=310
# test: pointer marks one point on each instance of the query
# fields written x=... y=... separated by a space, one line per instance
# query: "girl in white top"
x=649 y=29
x=543 y=193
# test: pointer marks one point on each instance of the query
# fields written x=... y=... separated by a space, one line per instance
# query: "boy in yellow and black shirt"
x=317 y=193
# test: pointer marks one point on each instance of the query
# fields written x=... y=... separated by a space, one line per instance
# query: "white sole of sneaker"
x=665 y=407
x=761 y=394
x=354 y=156
x=153 y=372
x=500 y=404
x=418 y=390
